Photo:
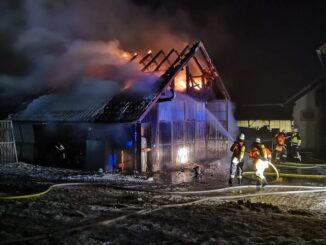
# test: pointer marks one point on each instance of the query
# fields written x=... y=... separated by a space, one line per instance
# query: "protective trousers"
x=296 y=151
x=236 y=171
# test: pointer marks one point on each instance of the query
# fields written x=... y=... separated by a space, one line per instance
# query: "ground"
x=168 y=209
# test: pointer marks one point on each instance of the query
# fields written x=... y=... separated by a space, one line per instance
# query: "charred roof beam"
x=214 y=73
x=135 y=55
x=153 y=60
x=143 y=60
x=165 y=59
x=170 y=74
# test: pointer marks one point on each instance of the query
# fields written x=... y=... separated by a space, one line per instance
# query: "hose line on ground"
x=301 y=165
x=43 y=192
x=151 y=210
x=303 y=176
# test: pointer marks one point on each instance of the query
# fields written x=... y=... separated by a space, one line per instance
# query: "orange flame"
x=180 y=82
x=126 y=56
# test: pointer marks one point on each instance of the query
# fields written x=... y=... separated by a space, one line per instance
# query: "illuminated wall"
x=184 y=134
x=271 y=124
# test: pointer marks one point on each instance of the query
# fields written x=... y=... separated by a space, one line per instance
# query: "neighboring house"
x=89 y=127
x=305 y=110
x=309 y=113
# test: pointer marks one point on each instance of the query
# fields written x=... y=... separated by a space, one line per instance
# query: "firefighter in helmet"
x=280 y=151
x=260 y=160
x=237 y=160
x=295 y=143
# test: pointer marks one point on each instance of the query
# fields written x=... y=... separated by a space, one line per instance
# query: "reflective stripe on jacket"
x=238 y=149
x=257 y=151
x=296 y=139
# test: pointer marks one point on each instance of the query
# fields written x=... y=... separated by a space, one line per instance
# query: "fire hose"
x=260 y=167
x=151 y=210
x=302 y=176
x=246 y=174
x=300 y=165
x=49 y=189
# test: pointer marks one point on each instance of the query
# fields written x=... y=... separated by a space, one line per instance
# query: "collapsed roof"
x=96 y=102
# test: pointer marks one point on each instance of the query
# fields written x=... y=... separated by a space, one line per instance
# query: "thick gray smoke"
x=58 y=42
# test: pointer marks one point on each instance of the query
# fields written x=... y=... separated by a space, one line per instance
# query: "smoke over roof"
x=255 y=44
x=52 y=45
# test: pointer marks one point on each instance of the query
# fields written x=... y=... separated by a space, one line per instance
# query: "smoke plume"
x=53 y=45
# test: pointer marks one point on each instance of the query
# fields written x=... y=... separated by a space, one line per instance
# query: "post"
x=137 y=147
x=187 y=79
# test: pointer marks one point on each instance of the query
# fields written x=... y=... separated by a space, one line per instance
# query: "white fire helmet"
x=258 y=140
x=242 y=137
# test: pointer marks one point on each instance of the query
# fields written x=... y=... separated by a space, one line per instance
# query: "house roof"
x=82 y=104
x=280 y=111
x=321 y=79
x=96 y=101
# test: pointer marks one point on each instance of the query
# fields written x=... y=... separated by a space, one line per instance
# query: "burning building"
x=176 y=112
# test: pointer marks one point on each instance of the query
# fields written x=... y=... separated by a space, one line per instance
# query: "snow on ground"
x=107 y=177
x=85 y=214
x=44 y=173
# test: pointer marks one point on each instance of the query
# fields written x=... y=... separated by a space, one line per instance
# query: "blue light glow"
x=129 y=145
x=200 y=116
x=112 y=158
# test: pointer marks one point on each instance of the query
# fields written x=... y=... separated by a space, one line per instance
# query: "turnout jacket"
x=258 y=150
x=238 y=150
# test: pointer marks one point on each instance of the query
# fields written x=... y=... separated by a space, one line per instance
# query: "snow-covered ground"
x=44 y=173
x=116 y=209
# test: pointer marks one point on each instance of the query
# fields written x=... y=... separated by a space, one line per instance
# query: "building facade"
x=309 y=115
x=182 y=114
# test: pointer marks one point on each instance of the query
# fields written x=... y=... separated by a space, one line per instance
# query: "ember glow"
x=180 y=82
x=126 y=56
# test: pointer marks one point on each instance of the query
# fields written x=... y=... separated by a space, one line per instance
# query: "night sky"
x=264 y=50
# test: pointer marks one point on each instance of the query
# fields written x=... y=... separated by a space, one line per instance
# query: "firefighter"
x=237 y=160
x=280 y=151
x=295 y=143
x=60 y=147
x=260 y=160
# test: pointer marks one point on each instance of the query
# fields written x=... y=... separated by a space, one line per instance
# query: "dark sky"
x=264 y=50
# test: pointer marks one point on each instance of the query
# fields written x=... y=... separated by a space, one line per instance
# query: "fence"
x=8 y=152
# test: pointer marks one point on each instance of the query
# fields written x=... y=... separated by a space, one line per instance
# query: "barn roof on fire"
x=99 y=101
